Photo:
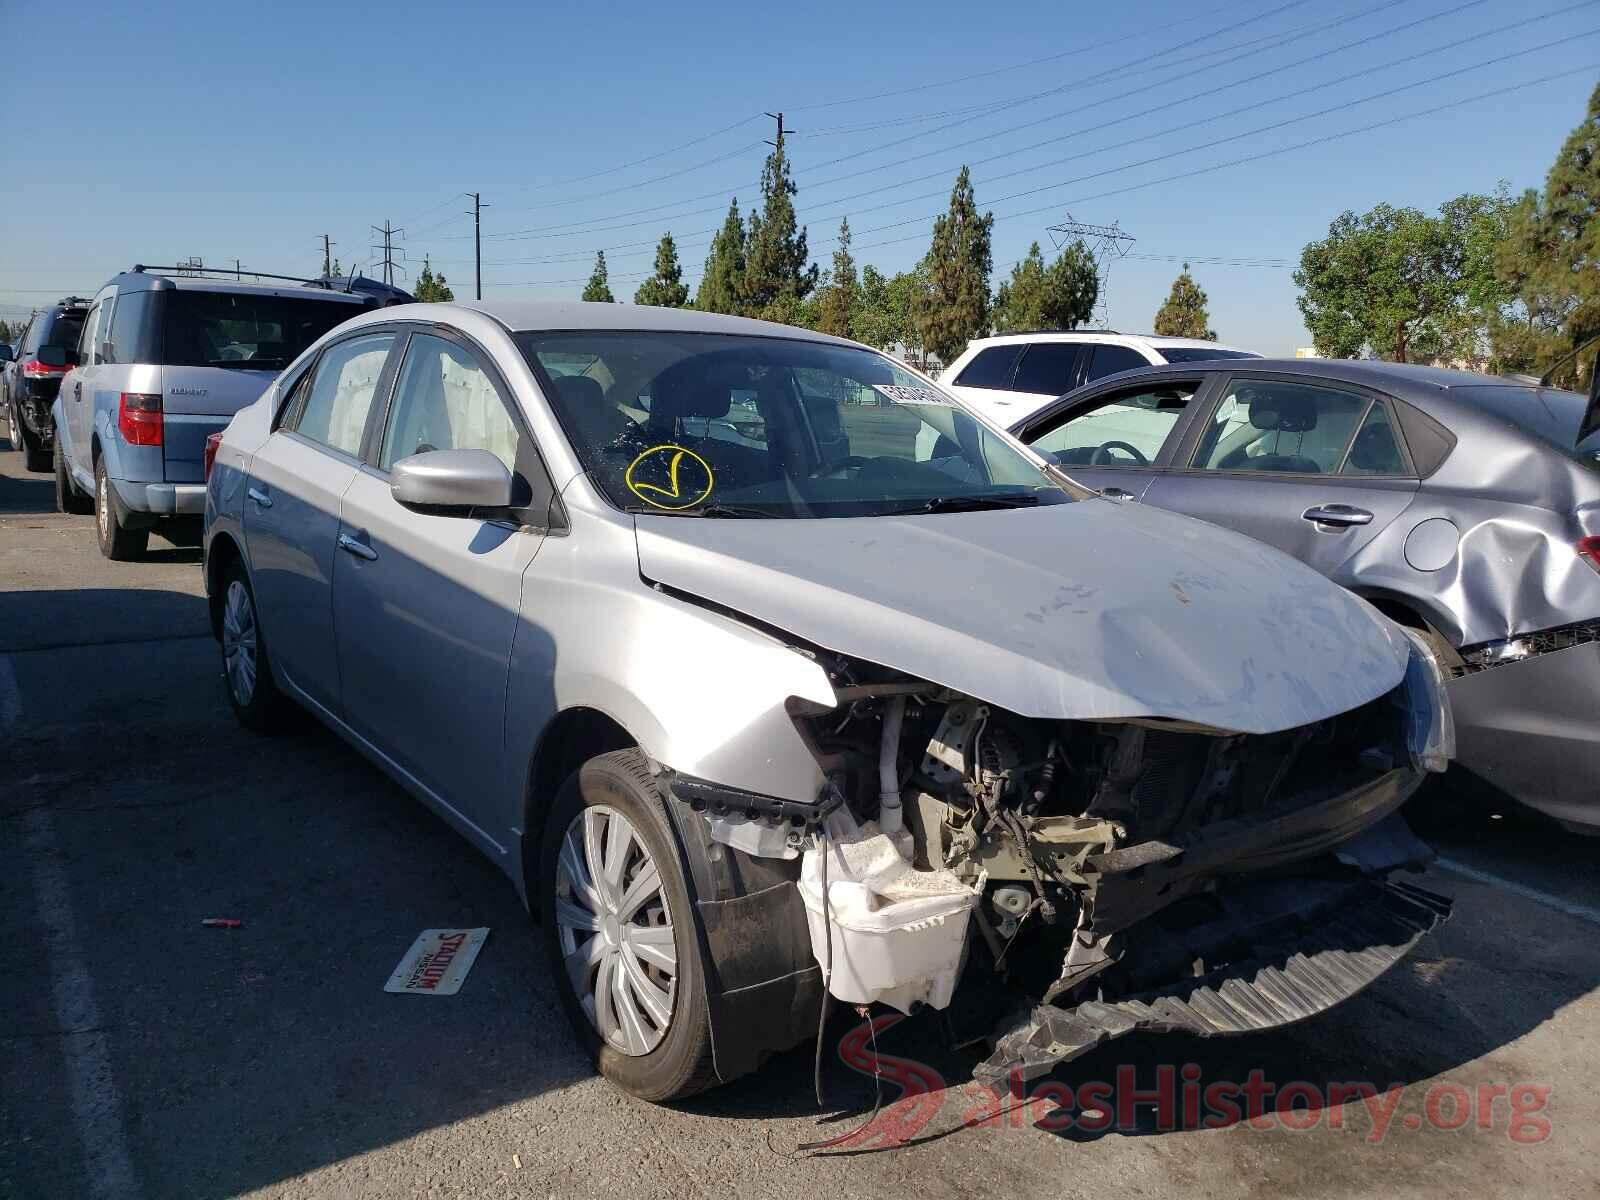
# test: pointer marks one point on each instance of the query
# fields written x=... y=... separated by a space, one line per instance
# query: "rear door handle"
x=356 y=546
x=1116 y=493
x=1337 y=514
x=260 y=497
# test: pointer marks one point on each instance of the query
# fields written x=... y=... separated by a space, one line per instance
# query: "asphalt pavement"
x=144 y=1055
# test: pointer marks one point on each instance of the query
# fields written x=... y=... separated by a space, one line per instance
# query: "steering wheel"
x=1102 y=454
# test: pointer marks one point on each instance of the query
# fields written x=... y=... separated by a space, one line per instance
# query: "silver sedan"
x=764 y=707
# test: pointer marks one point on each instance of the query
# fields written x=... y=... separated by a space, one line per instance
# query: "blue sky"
x=154 y=133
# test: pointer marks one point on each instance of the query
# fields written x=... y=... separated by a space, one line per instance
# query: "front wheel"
x=619 y=930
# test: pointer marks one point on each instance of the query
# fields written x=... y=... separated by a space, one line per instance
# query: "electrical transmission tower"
x=1105 y=242
x=388 y=250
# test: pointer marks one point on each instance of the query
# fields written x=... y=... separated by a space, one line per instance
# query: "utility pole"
x=327 y=255
x=477 y=239
x=236 y=273
x=778 y=117
x=388 y=231
x=1104 y=243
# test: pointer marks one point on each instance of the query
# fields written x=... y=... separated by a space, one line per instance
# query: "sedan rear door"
x=297 y=483
x=1316 y=469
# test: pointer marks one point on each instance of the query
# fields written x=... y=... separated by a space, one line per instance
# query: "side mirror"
x=6 y=353
x=57 y=356
x=452 y=480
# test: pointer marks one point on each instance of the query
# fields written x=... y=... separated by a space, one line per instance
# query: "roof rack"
x=1033 y=332
x=237 y=272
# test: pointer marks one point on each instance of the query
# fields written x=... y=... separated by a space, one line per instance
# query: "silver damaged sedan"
x=759 y=697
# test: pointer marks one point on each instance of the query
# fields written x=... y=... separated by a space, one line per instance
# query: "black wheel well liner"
x=571 y=739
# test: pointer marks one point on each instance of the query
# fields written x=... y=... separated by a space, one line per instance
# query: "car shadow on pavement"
x=26 y=492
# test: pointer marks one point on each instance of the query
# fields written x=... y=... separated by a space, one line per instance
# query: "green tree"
x=337 y=270
x=7 y=333
x=664 y=289
x=1184 y=313
x=775 y=247
x=1058 y=296
x=721 y=283
x=836 y=314
x=1549 y=259
x=1394 y=282
x=431 y=288
x=954 y=308
x=598 y=289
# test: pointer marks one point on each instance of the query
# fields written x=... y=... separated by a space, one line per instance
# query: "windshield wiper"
x=973 y=503
x=704 y=510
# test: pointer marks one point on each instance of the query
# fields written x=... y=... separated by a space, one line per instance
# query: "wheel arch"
x=572 y=737
x=221 y=553
x=1417 y=613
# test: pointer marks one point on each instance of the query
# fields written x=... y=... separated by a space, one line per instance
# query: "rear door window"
x=1048 y=368
x=244 y=330
x=992 y=367
x=1288 y=428
x=334 y=411
x=1108 y=360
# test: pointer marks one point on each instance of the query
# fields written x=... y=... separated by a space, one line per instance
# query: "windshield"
x=254 y=331
x=727 y=425
x=1189 y=354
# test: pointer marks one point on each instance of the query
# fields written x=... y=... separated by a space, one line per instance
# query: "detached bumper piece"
x=1284 y=981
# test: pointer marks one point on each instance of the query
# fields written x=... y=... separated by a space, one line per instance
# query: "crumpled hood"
x=1091 y=611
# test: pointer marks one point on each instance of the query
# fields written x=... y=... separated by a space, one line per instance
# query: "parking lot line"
x=1582 y=911
x=96 y=1102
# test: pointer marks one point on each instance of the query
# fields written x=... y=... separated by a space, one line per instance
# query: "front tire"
x=68 y=498
x=619 y=929
x=116 y=543
x=246 y=671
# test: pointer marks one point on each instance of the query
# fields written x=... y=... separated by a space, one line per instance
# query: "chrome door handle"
x=1337 y=514
x=1116 y=493
x=356 y=546
x=260 y=497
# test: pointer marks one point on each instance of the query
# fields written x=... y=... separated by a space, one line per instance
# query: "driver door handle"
x=77 y=391
x=354 y=545
x=1337 y=514
x=1116 y=493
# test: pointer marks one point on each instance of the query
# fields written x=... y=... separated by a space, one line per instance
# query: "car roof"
x=1385 y=376
x=1111 y=336
x=535 y=315
x=137 y=281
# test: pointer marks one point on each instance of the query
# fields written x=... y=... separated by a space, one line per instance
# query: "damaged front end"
x=1119 y=875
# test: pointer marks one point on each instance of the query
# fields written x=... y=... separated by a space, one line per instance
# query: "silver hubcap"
x=239 y=642
x=104 y=515
x=616 y=930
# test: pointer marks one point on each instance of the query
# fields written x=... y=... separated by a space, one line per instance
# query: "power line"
x=690 y=240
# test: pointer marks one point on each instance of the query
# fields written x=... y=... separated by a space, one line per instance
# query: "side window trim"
x=1217 y=390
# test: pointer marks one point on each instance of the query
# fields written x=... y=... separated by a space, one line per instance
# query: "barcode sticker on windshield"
x=437 y=963
x=910 y=394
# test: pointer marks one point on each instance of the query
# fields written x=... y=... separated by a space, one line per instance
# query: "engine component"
x=946 y=759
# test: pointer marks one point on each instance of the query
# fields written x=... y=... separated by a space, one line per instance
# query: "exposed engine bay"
x=1100 y=860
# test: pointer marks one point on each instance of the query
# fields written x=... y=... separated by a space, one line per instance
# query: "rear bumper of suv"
x=162 y=499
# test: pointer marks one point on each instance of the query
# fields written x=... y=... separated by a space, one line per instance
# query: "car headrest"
x=1374 y=450
x=1284 y=412
x=579 y=393
x=696 y=387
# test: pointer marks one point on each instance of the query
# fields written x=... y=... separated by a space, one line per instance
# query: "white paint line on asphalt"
x=96 y=1103
x=1582 y=911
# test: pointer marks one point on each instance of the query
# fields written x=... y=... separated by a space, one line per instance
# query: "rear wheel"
x=116 y=543
x=620 y=933
x=252 y=691
x=68 y=498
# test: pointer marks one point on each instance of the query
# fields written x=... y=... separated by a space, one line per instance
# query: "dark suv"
x=31 y=385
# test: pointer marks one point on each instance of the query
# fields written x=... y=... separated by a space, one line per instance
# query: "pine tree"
x=839 y=298
x=1060 y=296
x=1184 y=313
x=597 y=289
x=721 y=282
x=775 y=254
x=664 y=289
x=1550 y=260
x=431 y=288
x=955 y=307
x=1019 y=301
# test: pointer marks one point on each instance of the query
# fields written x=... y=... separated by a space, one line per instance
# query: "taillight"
x=1589 y=548
x=34 y=369
x=139 y=418
x=213 y=440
